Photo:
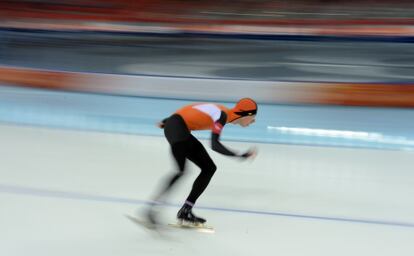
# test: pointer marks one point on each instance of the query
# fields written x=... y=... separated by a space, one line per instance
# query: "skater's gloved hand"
x=250 y=154
x=161 y=125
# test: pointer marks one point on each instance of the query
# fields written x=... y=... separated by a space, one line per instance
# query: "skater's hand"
x=160 y=125
x=250 y=154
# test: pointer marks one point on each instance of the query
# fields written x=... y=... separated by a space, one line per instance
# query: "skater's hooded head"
x=244 y=113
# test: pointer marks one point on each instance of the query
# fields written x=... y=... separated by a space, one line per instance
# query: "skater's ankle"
x=188 y=204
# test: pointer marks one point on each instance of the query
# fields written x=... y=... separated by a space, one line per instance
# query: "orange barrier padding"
x=386 y=95
x=346 y=94
x=37 y=78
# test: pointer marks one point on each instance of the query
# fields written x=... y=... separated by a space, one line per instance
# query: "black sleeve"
x=215 y=136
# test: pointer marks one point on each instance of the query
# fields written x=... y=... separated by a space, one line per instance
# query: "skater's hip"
x=176 y=130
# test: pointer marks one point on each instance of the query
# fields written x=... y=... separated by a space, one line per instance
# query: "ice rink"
x=65 y=192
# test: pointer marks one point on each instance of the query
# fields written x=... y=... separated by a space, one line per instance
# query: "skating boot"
x=185 y=215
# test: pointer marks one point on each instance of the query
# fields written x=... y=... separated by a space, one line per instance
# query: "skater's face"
x=245 y=121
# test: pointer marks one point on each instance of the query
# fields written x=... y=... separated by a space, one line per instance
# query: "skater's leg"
x=177 y=135
x=200 y=157
x=179 y=151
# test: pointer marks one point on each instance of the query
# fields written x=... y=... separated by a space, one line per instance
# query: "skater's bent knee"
x=211 y=169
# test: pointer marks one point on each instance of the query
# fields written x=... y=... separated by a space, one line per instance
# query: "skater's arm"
x=215 y=137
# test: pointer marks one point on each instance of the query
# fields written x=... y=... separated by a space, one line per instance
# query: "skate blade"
x=195 y=226
x=141 y=222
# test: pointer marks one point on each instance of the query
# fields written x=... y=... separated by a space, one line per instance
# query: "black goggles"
x=246 y=113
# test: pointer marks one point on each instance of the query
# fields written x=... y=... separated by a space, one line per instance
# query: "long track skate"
x=201 y=227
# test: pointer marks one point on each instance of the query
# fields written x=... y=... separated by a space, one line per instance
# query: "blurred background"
x=83 y=83
x=310 y=54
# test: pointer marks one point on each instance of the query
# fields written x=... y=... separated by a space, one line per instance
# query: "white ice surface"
x=65 y=193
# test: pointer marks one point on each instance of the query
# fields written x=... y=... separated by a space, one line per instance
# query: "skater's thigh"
x=198 y=155
x=180 y=151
